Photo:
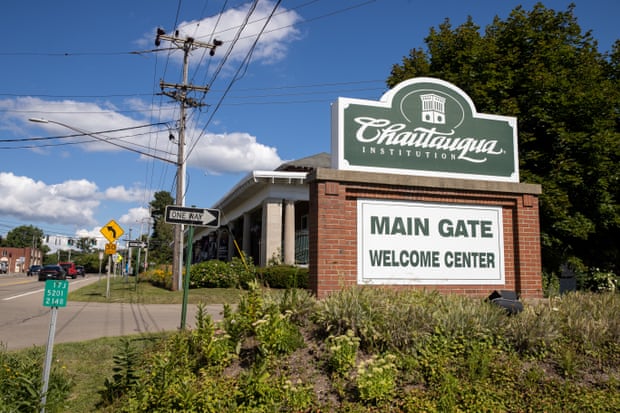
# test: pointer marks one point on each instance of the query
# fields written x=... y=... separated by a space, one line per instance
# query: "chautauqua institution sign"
x=423 y=192
x=425 y=127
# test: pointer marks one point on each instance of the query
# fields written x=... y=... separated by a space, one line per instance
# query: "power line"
x=82 y=134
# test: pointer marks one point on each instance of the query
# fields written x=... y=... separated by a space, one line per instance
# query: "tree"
x=23 y=237
x=86 y=244
x=540 y=67
x=160 y=249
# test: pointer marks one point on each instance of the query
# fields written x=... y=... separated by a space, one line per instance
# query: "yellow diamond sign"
x=111 y=231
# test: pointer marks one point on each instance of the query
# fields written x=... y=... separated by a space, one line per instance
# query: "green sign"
x=55 y=294
x=425 y=127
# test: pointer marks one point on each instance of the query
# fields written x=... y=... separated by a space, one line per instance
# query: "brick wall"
x=333 y=225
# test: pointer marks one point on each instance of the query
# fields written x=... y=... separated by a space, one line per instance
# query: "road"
x=25 y=322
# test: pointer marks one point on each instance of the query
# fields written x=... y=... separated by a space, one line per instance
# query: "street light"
x=73 y=128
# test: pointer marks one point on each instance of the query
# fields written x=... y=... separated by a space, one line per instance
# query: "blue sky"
x=91 y=66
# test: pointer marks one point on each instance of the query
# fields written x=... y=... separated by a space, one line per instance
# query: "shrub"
x=342 y=352
x=213 y=274
x=376 y=379
x=160 y=276
x=244 y=270
x=284 y=276
x=20 y=382
x=277 y=335
x=597 y=280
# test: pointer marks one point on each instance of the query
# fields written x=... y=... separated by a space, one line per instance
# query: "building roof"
x=320 y=160
x=289 y=173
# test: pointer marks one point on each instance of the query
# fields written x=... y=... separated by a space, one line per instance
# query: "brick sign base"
x=333 y=248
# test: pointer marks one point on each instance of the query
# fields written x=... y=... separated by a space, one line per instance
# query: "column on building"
x=289 y=232
x=271 y=231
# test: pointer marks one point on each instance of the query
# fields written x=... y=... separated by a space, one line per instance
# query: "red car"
x=70 y=269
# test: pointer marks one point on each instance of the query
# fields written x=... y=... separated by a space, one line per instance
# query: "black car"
x=33 y=270
x=52 y=272
x=80 y=270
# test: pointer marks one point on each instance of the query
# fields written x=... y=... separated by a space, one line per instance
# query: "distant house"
x=265 y=215
x=20 y=259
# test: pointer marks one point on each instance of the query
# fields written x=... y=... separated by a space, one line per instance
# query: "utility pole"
x=179 y=92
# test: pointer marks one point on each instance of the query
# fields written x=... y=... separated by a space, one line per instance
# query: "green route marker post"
x=55 y=295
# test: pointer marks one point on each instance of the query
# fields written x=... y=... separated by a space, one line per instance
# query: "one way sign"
x=201 y=217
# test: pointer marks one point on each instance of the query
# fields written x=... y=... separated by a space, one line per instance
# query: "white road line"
x=24 y=294
x=35 y=292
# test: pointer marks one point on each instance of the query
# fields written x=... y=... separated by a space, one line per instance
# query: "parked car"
x=69 y=269
x=33 y=270
x=4 y=268
x=52 y=272
x=80 y=270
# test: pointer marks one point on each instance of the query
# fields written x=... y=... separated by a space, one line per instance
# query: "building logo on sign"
x=426 y=127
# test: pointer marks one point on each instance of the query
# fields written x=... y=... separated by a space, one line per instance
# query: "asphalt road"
x=25 y=322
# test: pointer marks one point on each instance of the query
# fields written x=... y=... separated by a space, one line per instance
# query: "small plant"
x=125 y=374
x=277 y=335
x=298 y=397
x=376 y=379
x=20 y=383
x=342 y=352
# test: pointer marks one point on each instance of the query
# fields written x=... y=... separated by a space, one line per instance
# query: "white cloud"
x=274 y=41
x=135 y=217
x=218 y=154
x=30 y=200
x=232 y=153
x=72 y=202
x=121 y=193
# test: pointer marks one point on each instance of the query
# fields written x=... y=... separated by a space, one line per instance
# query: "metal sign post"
x=201 y=217
x=188 y=262
x=55 y=296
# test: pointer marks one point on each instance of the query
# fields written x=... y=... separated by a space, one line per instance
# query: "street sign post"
x=55 y=295
x=200 y=217
x=111 y=231
x=136 y=244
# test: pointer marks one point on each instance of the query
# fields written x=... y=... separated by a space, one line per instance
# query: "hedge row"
x=238 y=274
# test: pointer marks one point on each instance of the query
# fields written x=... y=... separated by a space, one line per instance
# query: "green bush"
x=159 y=276
x=597 y=280
x=20 y=382
x=213 y=274
x=376 y=379
x=244 y=269
x=284 y=276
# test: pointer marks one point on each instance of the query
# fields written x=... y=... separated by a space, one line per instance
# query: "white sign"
x=192 y=216
x=429 y=244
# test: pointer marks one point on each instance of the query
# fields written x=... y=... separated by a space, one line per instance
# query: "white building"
x=265 y=215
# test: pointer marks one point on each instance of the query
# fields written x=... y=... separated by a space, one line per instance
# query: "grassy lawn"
x=128 y=291
x=90 y=362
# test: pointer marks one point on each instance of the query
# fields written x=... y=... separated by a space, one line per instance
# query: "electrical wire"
x=243 y=64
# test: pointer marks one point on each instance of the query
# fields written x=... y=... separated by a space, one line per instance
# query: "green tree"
x=86 y=244
x=540 y=67
x=24 y=236
x=160 y=249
